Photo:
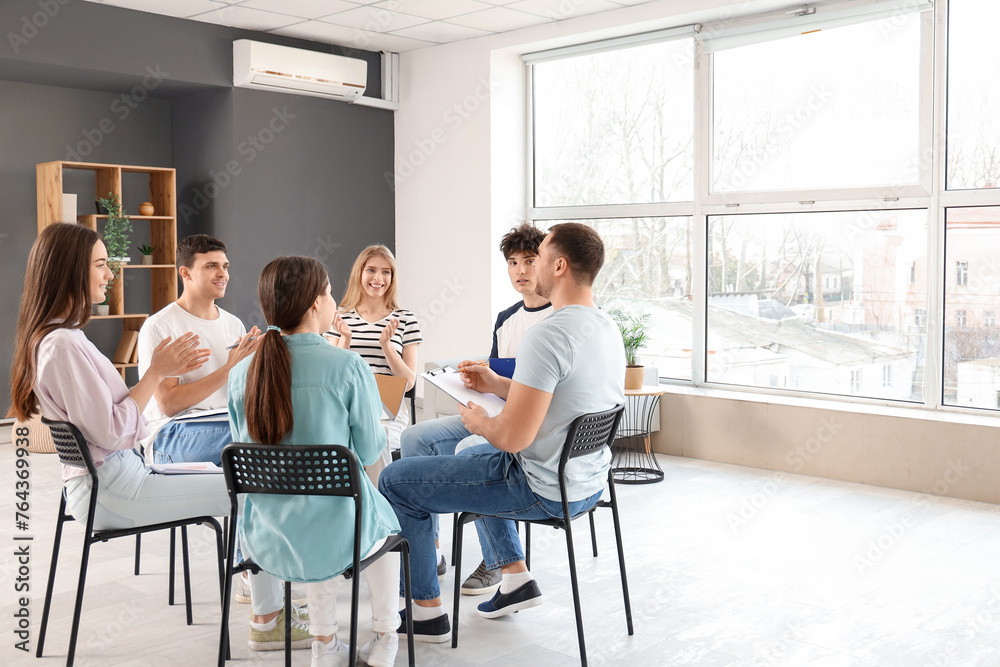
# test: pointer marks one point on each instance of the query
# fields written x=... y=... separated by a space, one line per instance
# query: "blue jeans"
x=482 y=479
x=185 y=442
x=437 y=437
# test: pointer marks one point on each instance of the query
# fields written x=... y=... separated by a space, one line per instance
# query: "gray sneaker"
x=482 y=581
x=442 y=568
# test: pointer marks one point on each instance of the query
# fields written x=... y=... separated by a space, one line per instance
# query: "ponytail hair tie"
x=274 y=328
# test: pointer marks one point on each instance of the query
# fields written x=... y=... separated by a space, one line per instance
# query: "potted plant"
x=116 y=231
x=635 y=332
x=147 y=254
x=104 y=307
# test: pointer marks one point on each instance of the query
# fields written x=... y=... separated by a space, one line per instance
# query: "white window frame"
x=929 y=193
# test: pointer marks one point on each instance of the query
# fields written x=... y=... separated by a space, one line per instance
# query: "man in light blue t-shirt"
x=570 y=364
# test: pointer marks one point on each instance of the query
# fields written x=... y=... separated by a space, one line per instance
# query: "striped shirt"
x=365 y=336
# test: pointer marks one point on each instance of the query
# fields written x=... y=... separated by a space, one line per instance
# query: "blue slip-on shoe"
x=524 y=597
x=435 y=631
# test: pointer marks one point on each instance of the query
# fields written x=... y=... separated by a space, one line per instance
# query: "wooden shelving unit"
x=162 y=228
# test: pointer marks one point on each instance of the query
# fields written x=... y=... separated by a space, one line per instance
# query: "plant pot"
x=634 y=376
x=101 y=209
x=147 y=260
x=101 y=309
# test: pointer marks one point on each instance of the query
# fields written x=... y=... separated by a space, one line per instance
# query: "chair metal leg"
x=138 y=552
x=84 y=559
x=227 y=593
x=187 y=574
x=621 y=557
x=355 y=599
x=170 y=574
x=593 y=532
x=288 y=624
x=405 y=553
x=576 y=593
x=459 y=532
x=527 y=545
x=454 y=532
x=52 y=575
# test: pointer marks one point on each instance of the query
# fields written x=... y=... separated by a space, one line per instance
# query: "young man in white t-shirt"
x=440 y=436
x=204 y=270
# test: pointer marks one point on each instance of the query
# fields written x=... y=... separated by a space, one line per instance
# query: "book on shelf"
x=127 y=347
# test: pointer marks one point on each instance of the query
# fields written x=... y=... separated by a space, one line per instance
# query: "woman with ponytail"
x=298 y=389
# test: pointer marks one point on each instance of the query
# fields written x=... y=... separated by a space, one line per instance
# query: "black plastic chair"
x=73 y=451
x=303 y=470
x=412 y=395
x=587 y=434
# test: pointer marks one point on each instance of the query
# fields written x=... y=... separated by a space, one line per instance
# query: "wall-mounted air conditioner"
x=283 y=69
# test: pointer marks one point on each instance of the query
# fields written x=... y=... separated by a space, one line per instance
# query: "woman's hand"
x=176 y=357
x=341 y=327
x=385 y=340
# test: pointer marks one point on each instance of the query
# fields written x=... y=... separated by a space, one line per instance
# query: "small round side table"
x=632 y=460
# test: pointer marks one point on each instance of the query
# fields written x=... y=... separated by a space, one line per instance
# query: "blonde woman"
x=371 y=323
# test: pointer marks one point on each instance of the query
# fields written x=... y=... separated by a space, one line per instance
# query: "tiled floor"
x=728 y=566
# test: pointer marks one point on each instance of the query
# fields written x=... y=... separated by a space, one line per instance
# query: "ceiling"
x=377 y=25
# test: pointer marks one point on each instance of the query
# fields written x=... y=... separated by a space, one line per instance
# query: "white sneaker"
x=326 y=656
x=381 y=651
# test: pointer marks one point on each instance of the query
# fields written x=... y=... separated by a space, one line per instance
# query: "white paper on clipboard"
x=448 y=380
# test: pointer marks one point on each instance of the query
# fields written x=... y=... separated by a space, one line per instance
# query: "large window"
x=785 y=202
x=836 y=109
x=973 y=94
x=808 y=301
x=615 y=127
x=972 y=342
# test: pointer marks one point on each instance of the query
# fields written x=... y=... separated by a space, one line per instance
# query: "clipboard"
x=390 y=391
x=449 y=380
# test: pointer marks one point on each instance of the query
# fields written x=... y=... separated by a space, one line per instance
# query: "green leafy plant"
x=116 y=230
x=634 y=330
x=146 y=250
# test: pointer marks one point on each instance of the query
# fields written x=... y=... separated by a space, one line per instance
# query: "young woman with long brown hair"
x=58 y=372
x=297 y=389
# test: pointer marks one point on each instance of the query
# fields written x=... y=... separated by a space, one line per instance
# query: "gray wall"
x=274 y=174
x=313 y=187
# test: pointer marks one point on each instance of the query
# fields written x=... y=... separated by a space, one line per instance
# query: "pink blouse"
x=78 y=384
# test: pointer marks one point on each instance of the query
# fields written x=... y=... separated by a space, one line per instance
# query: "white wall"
x=460 y=161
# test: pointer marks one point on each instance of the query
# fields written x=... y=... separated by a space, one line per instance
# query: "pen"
x=478 y=363
x=235 y=344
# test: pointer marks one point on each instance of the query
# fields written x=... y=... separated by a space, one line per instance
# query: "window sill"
x=953 y=415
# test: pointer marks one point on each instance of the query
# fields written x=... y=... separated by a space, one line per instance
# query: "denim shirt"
x=334 y=401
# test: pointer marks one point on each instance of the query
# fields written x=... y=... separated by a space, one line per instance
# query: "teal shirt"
x=334 y=402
